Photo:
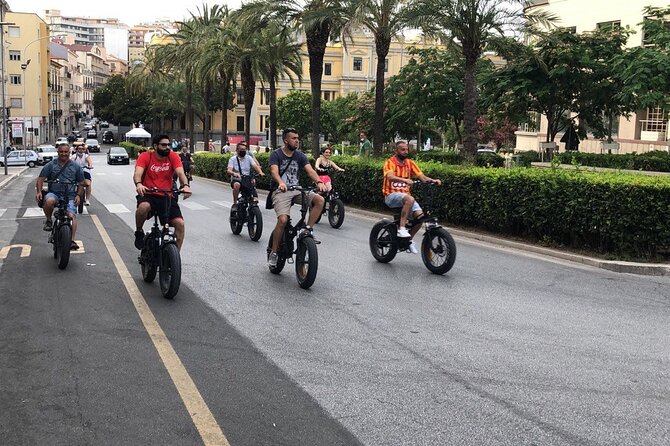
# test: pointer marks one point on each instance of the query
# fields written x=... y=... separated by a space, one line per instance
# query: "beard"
x=292 y=149
x=401 y=157
x=163 y=152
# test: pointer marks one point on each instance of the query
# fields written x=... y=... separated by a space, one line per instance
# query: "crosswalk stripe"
x=2 y=211
x=223 y=203
x=100 y=174
x=119 y=173
x=29 y=175
x=117 y=208
x=192 y=205
x=33 y=212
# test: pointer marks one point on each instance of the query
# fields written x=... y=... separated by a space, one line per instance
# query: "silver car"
x=21 y=158
x=117 y=155
x=45 y=153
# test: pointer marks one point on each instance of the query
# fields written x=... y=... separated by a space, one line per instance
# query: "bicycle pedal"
x=316 y=242
x=289 y=260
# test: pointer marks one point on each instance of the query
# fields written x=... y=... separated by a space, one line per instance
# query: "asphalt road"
x=508 y=348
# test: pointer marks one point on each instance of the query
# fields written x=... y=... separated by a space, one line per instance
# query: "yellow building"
x=347 y=68
x=645 y=130
x=27 y=71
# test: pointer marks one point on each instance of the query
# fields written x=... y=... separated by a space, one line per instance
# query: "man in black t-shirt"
x=287 y=161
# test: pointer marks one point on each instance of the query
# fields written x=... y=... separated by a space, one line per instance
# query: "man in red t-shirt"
x=156 y=168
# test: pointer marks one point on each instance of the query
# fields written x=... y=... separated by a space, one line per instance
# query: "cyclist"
x=241 y=165
x=323 y=164
x=186 y=161
x=66 y=171
x=285 y=164
x=85 y=161
x=398 y=172
x=155 y=168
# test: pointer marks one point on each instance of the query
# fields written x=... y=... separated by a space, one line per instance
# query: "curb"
x=645 y=269
x=10 y=177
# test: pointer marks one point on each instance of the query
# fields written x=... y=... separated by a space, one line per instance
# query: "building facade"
x=643 y=131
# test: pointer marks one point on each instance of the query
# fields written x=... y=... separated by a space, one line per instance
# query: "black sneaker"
x=74 y=246
x=48 y=226
x=139 y=239
x=307 y=230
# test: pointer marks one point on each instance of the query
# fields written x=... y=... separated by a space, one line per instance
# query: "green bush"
x=525 y=158
x=134 y=150
x=446 y=157
x=615 y=213
x=657 y=161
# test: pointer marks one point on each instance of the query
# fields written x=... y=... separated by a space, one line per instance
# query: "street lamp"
x=2 y=75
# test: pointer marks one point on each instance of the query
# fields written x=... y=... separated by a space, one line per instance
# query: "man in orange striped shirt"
x=398 y=173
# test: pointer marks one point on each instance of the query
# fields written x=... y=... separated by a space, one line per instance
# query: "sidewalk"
x=647 y=269
x=13 y=172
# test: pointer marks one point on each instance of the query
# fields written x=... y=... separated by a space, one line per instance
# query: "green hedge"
x=657 y=161
x=133 y=149
x=618 y=214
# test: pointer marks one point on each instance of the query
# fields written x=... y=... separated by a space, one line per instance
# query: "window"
x=609 y=26
x=16 y=103
x=533 y=123
x=328 y=69
x=328 y=95
x=265 y=97
x=240 y=97
x=240 y=123
x=14 y=55
x=657 y=121
x=264 y=123
x=14 y=31
x=358 y=64
x=386 y=65
x=15 y=79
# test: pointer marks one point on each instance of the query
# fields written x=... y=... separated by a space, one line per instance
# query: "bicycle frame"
x=286 y=246
x=159 y=236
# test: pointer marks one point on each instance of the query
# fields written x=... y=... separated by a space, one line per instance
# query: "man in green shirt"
x=365 y=146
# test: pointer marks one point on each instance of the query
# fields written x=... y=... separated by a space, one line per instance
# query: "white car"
x=45 y=153
x=92 y=145
x=21 y=158
x=62 y=139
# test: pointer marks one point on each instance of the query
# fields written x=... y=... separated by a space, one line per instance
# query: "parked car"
x=484 y=149
x=107 y=137
x=61 y=139
x=117 y=155
x=92 y=134
x=45 y=153
x=21 y=158
x=104 y=124
x=92 y=145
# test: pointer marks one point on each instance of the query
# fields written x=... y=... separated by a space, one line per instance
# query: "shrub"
x=657 y=161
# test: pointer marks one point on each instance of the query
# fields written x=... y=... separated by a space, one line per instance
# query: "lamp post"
x=2 y=75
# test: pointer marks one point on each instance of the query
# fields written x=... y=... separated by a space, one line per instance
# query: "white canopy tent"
x=138 y=133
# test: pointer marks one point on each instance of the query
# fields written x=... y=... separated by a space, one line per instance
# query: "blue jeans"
x=394 y=200
x=70 y=204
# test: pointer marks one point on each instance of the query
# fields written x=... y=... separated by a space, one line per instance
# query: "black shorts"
x=242 y=187
x=158 y=203
x=87 y=175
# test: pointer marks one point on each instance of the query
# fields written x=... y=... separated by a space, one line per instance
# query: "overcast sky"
x=130 y=12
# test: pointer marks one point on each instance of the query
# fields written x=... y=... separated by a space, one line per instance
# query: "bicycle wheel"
x=82 y=197
x=383 y=243
x=169 y=275
x=255 y=223
x=336 y=213
x=235 y=222
x=438 y=250
x=280 y=260
x=63 y=246
x=149 y=267
x=306 y=262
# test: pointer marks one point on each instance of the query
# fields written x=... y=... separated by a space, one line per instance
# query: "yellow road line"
x=202 y=417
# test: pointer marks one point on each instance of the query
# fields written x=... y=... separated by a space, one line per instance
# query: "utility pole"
x=2 y=74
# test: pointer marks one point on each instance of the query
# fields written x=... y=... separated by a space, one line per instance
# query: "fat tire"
x=305 y=270
x=82 y=195
x=64 y=243
x=446 y=246
x=382 y=238
x=255 y=223
x=336 y=213
x=149 y=269
x=169 y=275
x=235 y=224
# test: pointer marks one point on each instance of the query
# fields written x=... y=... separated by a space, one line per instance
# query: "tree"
x=113 y=103
x=295 y=110
x=473 y=26
x=385 y=19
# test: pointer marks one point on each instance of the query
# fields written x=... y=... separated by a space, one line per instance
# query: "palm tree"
x=473 y=26
x=385 y=19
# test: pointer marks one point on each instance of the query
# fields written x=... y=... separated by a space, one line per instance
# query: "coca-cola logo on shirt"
x=160 y=168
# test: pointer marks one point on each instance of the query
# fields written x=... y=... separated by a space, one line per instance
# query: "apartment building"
x=140 y=36
x=106 y=33
x=645 y=130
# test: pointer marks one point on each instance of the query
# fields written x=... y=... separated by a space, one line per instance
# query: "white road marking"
x=2 y=211
x=34 y=212
x=192 y=205
x=223 y=203
x=100 y=173
x=29 y=175
x=117 y=208
x=119 y=173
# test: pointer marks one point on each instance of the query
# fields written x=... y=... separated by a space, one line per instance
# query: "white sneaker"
x=403 y=233
x=412 y=248
x=87 y=203
x=272 y=260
